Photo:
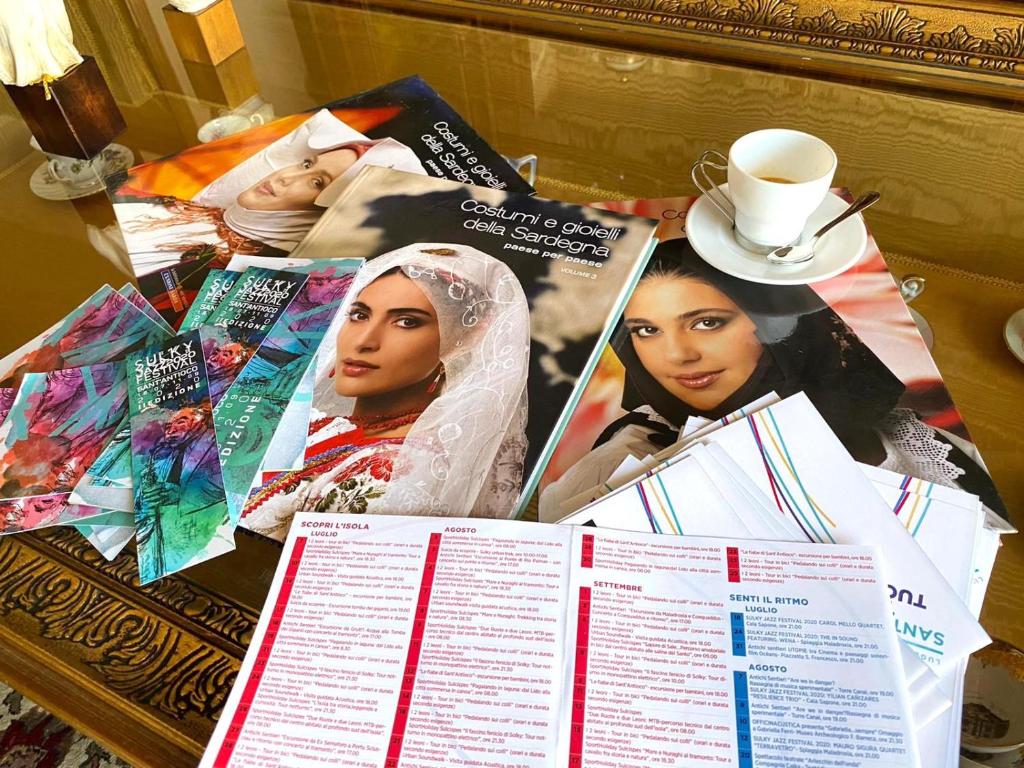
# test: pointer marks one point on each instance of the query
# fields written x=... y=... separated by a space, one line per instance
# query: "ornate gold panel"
x=156 y=662
x=977 y=47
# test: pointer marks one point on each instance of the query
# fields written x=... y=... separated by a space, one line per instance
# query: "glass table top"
x=605 y=124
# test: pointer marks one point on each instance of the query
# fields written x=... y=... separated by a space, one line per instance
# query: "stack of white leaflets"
x=405 y=642
x=774 y=471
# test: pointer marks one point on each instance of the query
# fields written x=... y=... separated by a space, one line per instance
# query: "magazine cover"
x=213 y=290
x=241 y=321
x=261 y=191
x=439 y=388
x=252 y=416
x=180 y=514
x=103 y=328
x=694 y=342
x=57 y=426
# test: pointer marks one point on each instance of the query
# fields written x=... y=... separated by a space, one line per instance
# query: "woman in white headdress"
x=272 y=198
x=420 y=403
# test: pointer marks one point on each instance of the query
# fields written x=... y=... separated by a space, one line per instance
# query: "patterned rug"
x=30 y=737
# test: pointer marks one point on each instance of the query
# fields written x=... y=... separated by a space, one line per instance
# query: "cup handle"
x=52 y=167
x=702 y=180
x=256 y=118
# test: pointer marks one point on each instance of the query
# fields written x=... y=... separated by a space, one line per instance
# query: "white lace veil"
x=464 y=455
x=322 y=132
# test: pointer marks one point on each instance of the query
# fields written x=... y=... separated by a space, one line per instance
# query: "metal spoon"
x=802 y=252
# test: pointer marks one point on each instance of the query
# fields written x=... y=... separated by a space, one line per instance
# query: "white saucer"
x=710 y=234
x=923 y=327
x=113 y=158
x=1013 y=333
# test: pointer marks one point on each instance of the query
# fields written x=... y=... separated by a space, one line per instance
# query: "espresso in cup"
x=777 y=178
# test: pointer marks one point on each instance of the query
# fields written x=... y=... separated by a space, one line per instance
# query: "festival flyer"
x=31 y=512
x=107 y=483
x=801 y=474
x=180 y=513
x=109 y=532
x=785 y=449
x=504 y=643
x=931 y=490
x=110 y=519
x=103 y=328
x=58 y=424
x=235 y=332
x=251 y=412
x=286 y=448
x=948 y=534
x=130 y=292
x=108 y=540
x=260 y=192
x=733 y=652
x=216 y=286
x=238 y=325
x=953 y=536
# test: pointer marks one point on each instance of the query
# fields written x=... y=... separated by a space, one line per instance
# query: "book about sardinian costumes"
x=258 y=192
x=695 y=345
x=441 y=386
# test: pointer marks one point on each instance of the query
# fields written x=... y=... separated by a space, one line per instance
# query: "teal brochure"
x=251 y=411
x=215 y=287
x=243 y=318
x=180 y=511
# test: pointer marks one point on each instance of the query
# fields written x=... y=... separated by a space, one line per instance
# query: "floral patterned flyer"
x=57 y=426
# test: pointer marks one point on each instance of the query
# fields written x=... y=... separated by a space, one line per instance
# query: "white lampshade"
x=35 y=41
x=192 y=6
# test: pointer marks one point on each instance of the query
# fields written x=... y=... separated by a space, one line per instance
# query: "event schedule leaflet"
x=392 y=642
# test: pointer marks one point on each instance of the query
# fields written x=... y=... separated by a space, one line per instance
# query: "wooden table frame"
x=143 y=670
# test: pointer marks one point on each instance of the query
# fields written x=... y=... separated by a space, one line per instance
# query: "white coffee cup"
x=226 y=125
x=777 y=178
x=992 y=727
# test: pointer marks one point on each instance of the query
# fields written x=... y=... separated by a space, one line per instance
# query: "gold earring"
x=437 y=380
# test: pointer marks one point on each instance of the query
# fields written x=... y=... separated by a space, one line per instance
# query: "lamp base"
x=208 y=36
x=79 y=118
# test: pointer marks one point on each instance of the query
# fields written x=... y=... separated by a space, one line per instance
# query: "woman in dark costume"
x=697 y=342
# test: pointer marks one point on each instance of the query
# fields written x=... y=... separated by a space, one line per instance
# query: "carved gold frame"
x=144 y=669
x=976 y=48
